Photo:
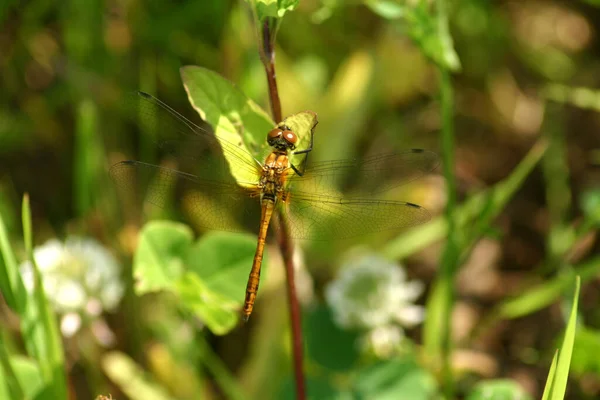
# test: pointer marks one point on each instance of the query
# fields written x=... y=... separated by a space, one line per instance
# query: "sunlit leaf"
x=214 y=288
x=158 y=261
x=233 y=116
x=223 y=261
x=302 y=124
x=559 y=388
x=550 y=377
x=218 y=312
x=273 y=8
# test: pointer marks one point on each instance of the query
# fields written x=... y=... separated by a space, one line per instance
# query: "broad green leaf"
x=223 y=261
x=303 y=125
x=131 y=378
x=158 y=260
x=234 y=117
x=218 y=312
x=395 y=379
x=327 y=344
x=559 y=387
x=219 y=265
x=498 y=389
x=273 y=8
x=550 y=378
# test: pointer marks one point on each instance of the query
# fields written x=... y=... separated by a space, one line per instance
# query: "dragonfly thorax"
x=273 y=176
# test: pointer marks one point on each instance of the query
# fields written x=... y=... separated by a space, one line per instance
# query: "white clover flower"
x=371 y=293
x=80 y=277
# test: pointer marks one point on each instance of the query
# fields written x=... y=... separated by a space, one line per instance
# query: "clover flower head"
x=372 y=294
x=80 y=278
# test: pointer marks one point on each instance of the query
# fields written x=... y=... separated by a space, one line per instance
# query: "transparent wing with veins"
x=314 y=205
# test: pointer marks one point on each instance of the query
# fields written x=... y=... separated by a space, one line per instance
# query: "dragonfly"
x=315 y=199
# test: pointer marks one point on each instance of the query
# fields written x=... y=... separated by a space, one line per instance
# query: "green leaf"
x=303 y=125
x=388 y=9
x=327 y=344
x=273 y=8
x=223 y=261
x=11 y=285
x=550 y=378
x=395 y=379
x=217 y=311
x=28 y=376
x=540 y=296
x=498 y=389
x=559 y=387
x=158 y=260
x=234 y=117
x=219 y=265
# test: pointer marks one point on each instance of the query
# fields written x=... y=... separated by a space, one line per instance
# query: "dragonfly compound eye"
x=274 y=134
x=290 y=137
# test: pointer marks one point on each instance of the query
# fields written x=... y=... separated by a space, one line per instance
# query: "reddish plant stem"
x=267 y=52
x=268 y=58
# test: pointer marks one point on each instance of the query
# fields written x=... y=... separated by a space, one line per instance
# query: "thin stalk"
x=438 y=341
x=451 y=252
x=267 y=53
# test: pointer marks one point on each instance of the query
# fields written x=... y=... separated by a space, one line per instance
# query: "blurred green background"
x=527 y=172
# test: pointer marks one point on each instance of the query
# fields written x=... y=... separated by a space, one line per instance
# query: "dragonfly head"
x=282 y=138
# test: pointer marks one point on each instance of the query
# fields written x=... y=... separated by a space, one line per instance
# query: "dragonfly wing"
x=329 y=218
x=175 y=134
x=373 y=174
x=218 y=205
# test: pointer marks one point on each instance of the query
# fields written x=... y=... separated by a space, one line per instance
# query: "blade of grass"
x=10 y=378
x=559 y=387
x=550 y=379
x=40 y=329
x=541 y=296
x=11 y=285
x=558 y=193
x=493 y=200
x=437 y=340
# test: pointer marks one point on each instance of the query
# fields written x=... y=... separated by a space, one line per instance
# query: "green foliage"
x=498 y=389
x=424 y=27
x=38 y=323
x=273 y=8
x=235 y=118
x=559 y=386
x=393 y=379
x=327 y=344
x=208 y=276
x=520 y=150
